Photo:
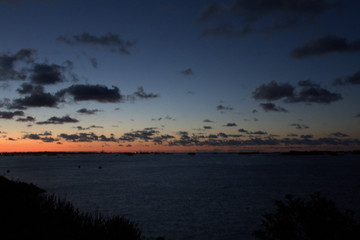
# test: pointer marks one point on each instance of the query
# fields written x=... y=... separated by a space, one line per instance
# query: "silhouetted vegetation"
x=27 y=213
x=300 y=219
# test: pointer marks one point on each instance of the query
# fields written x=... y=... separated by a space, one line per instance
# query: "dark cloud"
x=88 y=111
x=187 y=72
x=292 y=135
x=37 y=98
x=41 y=137
x=258 y=133
x=253 y=16
x=27 y=88
x=309 y=92
x=140 y=93
x=90 y=127
x=207 y=121
x=94 y=62
x=273 y=91
x=339 y=134
x=162 y=138
x=207 y=127
x=27 y=119
x=81 y=137
x=243 y=130
x=315 y=94
x=307 y=136
x=88 y=92
x=354 y=79
x=146 y=135
x=272 y=107
x=10 y=115
x=299 y=126
x=221 y=108
x=44 y=74
x=325 y=45
x=230 y=125
x=59 y=120
x=110 y=40
x=8 y=61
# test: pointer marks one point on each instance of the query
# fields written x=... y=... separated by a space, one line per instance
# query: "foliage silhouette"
x=27 y=213
x=308 y=219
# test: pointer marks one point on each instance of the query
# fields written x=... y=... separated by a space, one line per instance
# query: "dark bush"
x=300 y=219
x=27 y=213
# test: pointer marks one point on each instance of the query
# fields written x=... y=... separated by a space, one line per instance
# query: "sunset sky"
x=174 y=76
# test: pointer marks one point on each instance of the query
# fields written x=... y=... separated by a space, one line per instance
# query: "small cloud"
x=99 y=93
x=27 y=119
x=140 y=93
x=307 y=136
x=207 y=127
x=230 y=125
x=273 y=91
x=272 y=107
x=10 y=115
x=222 y=108
x=339 y=134
x=299 y=126
x=243 y=130
x=112 y=41
x=94 y=62
x=187 y=72
x=88 y=111
x=325 y=45
x=59 y=120
x=207 y=121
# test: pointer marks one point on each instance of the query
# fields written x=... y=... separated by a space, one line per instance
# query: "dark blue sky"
x=179 y=75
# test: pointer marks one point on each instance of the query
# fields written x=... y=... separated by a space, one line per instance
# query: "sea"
x=181 y=196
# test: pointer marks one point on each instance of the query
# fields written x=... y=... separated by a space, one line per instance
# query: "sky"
x=179 y=76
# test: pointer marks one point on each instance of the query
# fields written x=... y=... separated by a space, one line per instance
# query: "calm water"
x=178 y=196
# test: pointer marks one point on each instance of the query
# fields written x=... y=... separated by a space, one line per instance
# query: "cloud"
x=299 y=126
x=273 y=91
x=207 y=121
x=230 y=125
x=272 y=107
x=88 y=111
x=8 y=62
x=37 y=98
x=354 y=79
x=207 y=127
x=59 y=120
x=258 y=133
x=90 y=127
x=221 y=108
x=187 y=72
x=307 y=136
x=81 y=137
x=260 y=16
x=140 y=93
x=112 y=41
x=146 y=135
x=315 y=95
x=44 y=74
x=243 y=130
x=94 y=62
x=309 y=92
x=10 y=115
x=324 y=45
x=27 y=119
x=41 y=137
x=100 y=93
x=339 y=134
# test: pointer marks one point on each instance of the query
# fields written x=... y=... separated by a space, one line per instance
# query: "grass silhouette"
x=27 y=213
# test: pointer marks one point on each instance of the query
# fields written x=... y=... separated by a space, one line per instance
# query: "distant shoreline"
x=53 y=153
